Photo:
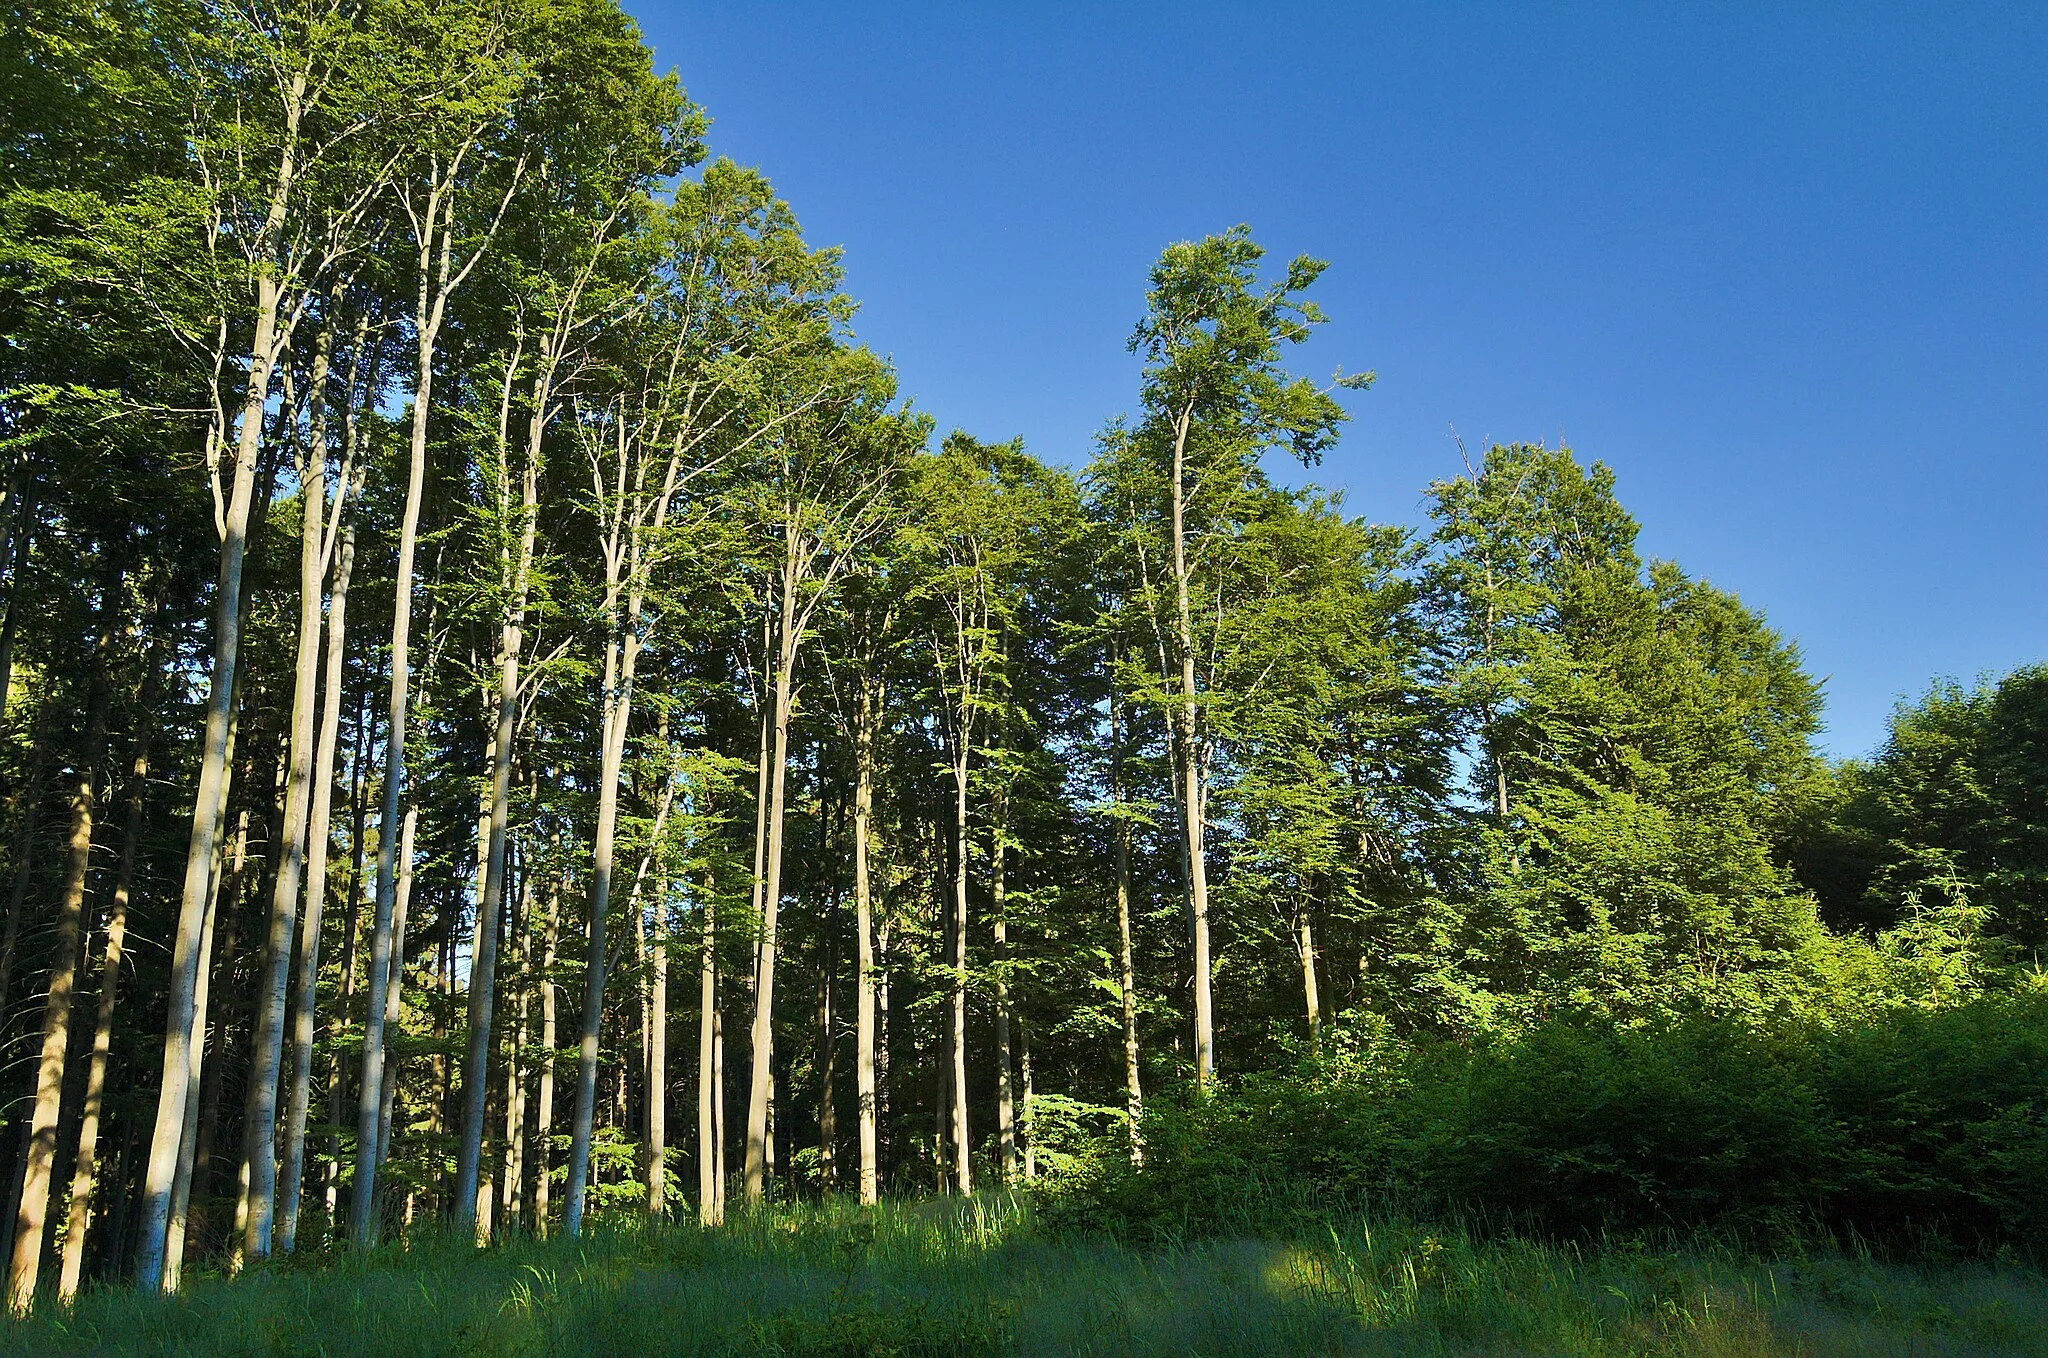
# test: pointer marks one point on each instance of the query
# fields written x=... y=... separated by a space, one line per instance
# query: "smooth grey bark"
x=544 y=1096
x=1193 y=797
x=759 y=1093
x=1127 y=990
x=300 y=1083
x=1006 y=1109
x=1305 y=947
x=963 y=1174
x=268 y=1047
x=394 y=989
x=863 y=928
x=516 y=567
x=657 y=1060
x=209 y=796
x=708 y=1132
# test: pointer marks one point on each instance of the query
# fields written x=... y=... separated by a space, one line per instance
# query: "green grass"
x=975 y=1277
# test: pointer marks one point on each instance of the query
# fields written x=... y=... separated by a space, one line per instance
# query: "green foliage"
x=1913 y=1124
x=1946 y=827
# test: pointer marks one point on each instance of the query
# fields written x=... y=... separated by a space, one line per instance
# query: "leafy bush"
x=1911 y=1124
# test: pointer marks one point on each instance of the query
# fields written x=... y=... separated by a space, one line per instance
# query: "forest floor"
x=976 y=1277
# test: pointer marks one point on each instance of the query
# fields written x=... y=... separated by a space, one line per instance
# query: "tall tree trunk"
x=211 y=792
x=761 y=1077
x=1305 y=947
x=827 y=1071
x=544 y=1097
x=483 y=966
x=394 y=991
x=1193 y=798
x=351 y=939
x=864 y=942
x=299 y=1092
x=1127 y=990
x=1030 y=1109
x=709 y=1133
x=657 y=1061
x=268 y=1046
x=516 y=1059
x=620 y=658
x=34 y=1206
x=178 y=1200
x=86 y=1171
x=957 y=1098
x=881 y=1050
x=1006 y=1110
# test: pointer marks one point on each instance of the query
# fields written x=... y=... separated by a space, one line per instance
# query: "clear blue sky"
x=1783 y=267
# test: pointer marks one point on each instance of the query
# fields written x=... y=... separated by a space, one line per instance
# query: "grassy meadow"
x=978 y=1277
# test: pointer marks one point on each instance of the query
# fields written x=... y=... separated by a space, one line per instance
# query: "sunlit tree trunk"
x=394 y=989
x=299 y=1088
x=957 y=1092
x=864 y=940
x=761 y=1077
x=516 y=1060
x=657 y=1061
x=34 y=1206
x=1193 y=799
x=544 y=1096
x=180 y=1196
x=709 y=1133
x=268 y=1043
x=1127 y=989
x=181 y=1014
x=1305 y=945
x=1006 y=1108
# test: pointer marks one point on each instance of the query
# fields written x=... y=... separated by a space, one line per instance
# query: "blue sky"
x=1783 y=267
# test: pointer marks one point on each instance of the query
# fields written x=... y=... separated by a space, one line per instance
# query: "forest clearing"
x=546 y=805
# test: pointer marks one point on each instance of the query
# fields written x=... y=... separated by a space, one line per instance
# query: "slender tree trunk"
x=180 y=1197
x=1305 y=946
x=394 y=990
x=34 y=1206
x=828 y=1113
x=351 y=938
x=180 y=1021
x=483 y=966
x=1193 y=798
x=430 y=310
x=881 y=1050
x=1006 y=1110
x=620 y=659
x=299 y=1092
x=758 y=1093
x=516 y=1059
x=708 y=1132
x=544 y=1098
x=962 y=1169
x=864 y=943
x=1030 y=1099
x=1127 y=990
x=268 y=1046
x=719 y=1172
x=657 y=1062
x=85 y=1173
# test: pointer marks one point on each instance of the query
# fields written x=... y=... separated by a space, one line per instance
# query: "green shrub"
x=1911 y=1124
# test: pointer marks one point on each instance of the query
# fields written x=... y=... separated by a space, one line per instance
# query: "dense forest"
x=507 y=718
